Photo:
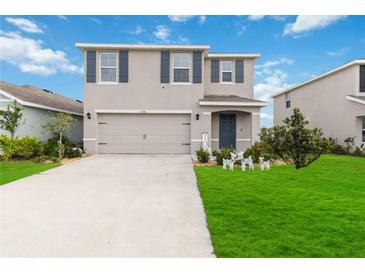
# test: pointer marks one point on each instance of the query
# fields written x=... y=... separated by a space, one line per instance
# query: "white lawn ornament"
x=231 y=164
x=250 y=163
x=233 y=156
x=239 y=156
x=244 y=163
x=264 y=164
x=225 y=163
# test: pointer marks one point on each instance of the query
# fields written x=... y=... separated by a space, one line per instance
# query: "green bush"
x=6 y=147
x=258 y=149
x=203 y=155
x=224 y=153
x=28 y=147
x=70 y=149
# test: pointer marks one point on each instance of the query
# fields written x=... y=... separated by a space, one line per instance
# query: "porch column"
x=207 y=126
x=255 y=117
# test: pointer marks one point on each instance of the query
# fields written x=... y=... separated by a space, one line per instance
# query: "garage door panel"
x=144 y=133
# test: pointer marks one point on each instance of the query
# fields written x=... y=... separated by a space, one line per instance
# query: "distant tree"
x=293 y=142
x=10 y=118
x=59 y=124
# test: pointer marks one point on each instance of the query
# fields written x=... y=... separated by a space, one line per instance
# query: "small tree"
x=10 y=118
x=293 y=142
x=58 y=124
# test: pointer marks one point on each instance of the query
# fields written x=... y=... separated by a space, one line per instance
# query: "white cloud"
x=266 y=117
x=24 y=24
x=184 y=18
x=272 y=63
x=183 y=40
x=31 y=56
x=96 y=20
x=162 y=33
x=339 y=52
x=202 y=19
x=305 y=23
x=241 y=29
x=63 y=17
x=273 y=83
x=137 y=30
x=255 y=17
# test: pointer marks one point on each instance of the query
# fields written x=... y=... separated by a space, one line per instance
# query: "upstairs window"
x=287 y=100
x=181 y=67
x=108 y=67
x=227 y=68
x=362 y=78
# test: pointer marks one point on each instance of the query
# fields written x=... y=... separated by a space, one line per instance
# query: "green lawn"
x=14 y=170
x=318 y=211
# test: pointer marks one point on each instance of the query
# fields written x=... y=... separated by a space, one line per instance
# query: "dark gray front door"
x=227 y=130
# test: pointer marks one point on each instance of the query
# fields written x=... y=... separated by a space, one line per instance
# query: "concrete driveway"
x=107 y=206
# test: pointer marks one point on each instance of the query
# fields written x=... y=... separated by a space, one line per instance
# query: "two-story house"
x=333 y=101
x=167 y=99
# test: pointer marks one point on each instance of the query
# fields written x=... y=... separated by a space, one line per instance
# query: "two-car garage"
x=143 y=133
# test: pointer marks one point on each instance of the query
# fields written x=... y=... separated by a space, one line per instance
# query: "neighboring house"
x=333 y=101
x=167 y=99
x=38 y=104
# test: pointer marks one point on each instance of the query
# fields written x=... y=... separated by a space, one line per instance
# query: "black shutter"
x=214 y=71
x=123 y=66
x=91 y=66
x=362 y=78
x=197 y=67
x=239 y=71
x=165 y=67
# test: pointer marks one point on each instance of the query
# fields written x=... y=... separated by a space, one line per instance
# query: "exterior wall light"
x=88 y=115
x=197 y=116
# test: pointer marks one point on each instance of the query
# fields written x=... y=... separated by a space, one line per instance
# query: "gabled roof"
x=39 y=98
x=230 y=100
x=360 y=61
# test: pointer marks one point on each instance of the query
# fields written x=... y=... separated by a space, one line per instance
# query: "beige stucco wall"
x=244 y=89
x=324 y=104
x=145 y=92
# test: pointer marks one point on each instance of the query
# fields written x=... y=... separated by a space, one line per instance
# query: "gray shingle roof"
x=229 y=98
x=42 y=97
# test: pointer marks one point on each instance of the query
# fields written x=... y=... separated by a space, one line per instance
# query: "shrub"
x=258 y=149
x=28 y=147
x=6 y=147
x=70 y=150
x=293 y=141
x=359 y=150
x=224 y=153
x=350 y=142
x=203 y=155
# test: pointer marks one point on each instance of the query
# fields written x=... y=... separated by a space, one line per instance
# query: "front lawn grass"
x=14 y=170
x=317 y=211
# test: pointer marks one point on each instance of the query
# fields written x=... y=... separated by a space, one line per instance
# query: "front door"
x=227 y=130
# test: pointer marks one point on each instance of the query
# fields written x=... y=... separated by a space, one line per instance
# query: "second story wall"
x=143 y=88
x=221 y=86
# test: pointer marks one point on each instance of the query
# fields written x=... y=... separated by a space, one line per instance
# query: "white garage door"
x=144 y=133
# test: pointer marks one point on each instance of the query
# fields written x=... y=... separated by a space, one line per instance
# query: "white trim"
x=243 y=140
x=181 y=83
x=256 y=113
x=243 y=104
x=25 y=103
x=207 y=113
x=355 y=62
x=89 y=139
x=137 y=46
x=145 y=111
x=233 y=55
x=196 y=140
x=355 y=100
x=214 y=140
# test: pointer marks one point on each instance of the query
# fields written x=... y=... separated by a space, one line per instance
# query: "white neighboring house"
x=38 y=104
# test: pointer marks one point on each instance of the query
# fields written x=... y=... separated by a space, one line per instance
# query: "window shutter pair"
x=214 y=71
x=91 y=66
x=165 y=67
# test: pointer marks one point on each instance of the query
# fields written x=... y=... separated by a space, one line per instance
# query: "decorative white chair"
x=264 y=164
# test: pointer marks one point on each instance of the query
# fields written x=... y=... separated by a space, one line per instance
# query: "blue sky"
x=39 y=50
